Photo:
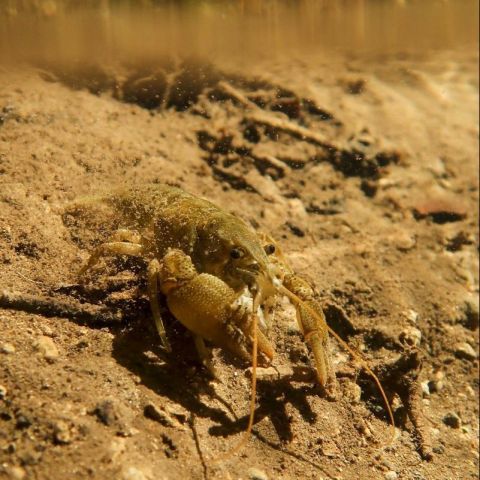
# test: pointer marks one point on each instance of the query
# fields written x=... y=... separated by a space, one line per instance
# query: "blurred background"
x=243 y=30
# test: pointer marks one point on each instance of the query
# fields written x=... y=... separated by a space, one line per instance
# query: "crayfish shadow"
x=179 y=376
x=173 y=375
x=273 y=398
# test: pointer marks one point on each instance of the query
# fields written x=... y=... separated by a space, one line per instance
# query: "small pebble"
x=391 y=475
x=133 y=473
x=412 y=316
x=468 y=314
x=61 y=433
x=16 y=473
x=403 y=241
x=425 y=388
x=83 y=343
x=471 y=307
x=30 y=457
x=351 y=391
x=452 y=420
x=23 y=422
x=436 y=384
x=115 y=449
x=295 y=230
x=439 y=449
x=46 y=347
x=411 y=336
x=256 y=474
x=465 y=351
x=114 y=414
x=441 y=209
x=417 y=475
x=7 y=348
x=178 y=412
x=470 y=391
x=47 y=331
x=106 y=412
x=3 y=392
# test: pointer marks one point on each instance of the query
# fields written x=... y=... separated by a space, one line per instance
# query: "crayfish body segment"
x=214 y=270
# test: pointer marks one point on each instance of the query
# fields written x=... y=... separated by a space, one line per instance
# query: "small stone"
x=115 y=449
x=441 y=210
x=83 y=343
x=425 y=388
x=105 y=411
x=403 y=241
x=153 y=412
x=61 y=433
x=10 y=447
x=439 y=449
x=46 y=347
x=257 y=474
x=391 y=475
x=47 y=331
x=30 y=457
x=178 y=412
x=351 y=391
x=412 y=316
x=3 y=392
x=364 y=430
x=411 y=336
x=116 y=415
x=170 y=447
x=16 y=473
x=436 y=384
x=295 y=229
x=465 y=351
x=133 y=473
x=416 y=475
x=470 y=308
x=452 y=420
x=7 y=348
x=23 y=422
x=470 y=391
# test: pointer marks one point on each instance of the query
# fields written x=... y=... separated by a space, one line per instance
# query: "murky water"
x=247 y=30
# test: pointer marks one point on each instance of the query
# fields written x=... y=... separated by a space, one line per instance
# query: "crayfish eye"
x=269 y=249
x=236 y=253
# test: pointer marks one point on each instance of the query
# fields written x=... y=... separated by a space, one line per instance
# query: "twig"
x=257 y=115
x=51 y=307
x=284 y=374
x=236 y=95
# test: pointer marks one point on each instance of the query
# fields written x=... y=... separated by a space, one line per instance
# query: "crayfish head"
x=230 y=250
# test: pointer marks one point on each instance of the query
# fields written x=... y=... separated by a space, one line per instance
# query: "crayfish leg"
x=205 y=355
x=121 y=242
x=153 y=271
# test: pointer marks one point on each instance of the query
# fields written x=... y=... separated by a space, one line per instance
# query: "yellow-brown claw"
x=208 y=307
x=313 y=325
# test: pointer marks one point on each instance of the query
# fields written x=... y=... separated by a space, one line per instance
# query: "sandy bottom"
x=365 y=173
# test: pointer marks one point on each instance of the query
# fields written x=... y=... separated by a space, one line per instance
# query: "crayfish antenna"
x=352 y=352
x=359 y=358
x=246 y=436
